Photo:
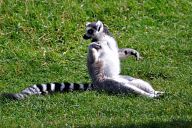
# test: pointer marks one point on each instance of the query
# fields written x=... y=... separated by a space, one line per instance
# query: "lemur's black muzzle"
x=86 y=37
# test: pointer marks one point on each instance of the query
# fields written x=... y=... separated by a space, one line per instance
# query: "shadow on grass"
x=171 y=124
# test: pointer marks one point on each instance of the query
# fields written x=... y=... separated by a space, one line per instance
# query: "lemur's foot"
x=159 y=94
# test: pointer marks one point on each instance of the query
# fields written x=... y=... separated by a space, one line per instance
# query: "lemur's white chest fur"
x=109 y=55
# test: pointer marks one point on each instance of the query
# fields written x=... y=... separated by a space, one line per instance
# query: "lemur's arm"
x=126 y=52
x=94 y=64
x=93 y=55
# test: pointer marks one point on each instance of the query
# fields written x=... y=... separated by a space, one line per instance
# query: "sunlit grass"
x=41 y=41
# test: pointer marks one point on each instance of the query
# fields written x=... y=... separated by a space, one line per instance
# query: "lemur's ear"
x=87 y=23
x=99 y=25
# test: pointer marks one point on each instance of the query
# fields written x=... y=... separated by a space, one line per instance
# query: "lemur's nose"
x=86 y=37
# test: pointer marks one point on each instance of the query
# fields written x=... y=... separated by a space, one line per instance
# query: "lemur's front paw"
x=95 y=46
x=137 y=55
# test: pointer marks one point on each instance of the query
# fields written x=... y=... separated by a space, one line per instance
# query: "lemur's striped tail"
x=41 y=89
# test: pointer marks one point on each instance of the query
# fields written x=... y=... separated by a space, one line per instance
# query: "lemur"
x=104 y=65
x=42 y=89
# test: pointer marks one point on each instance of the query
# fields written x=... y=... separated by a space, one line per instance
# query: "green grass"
x=41 y=41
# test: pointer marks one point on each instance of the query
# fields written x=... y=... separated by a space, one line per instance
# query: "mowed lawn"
x=41 y=41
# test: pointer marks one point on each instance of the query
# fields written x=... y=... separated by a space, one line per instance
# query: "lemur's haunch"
x=95 y=67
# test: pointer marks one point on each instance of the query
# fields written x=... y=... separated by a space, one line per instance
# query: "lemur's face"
x=93 y=29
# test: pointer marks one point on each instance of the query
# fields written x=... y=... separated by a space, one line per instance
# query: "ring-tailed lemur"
x=104 y=65
x=41 y=89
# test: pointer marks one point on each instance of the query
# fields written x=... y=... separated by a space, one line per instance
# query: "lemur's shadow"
x=170 y=124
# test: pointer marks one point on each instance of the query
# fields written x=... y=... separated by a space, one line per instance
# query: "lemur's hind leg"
x=126 y=52
x=117 y=85
x=143 y=85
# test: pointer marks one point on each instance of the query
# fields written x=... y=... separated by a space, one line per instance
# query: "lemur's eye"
x=90 y=31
